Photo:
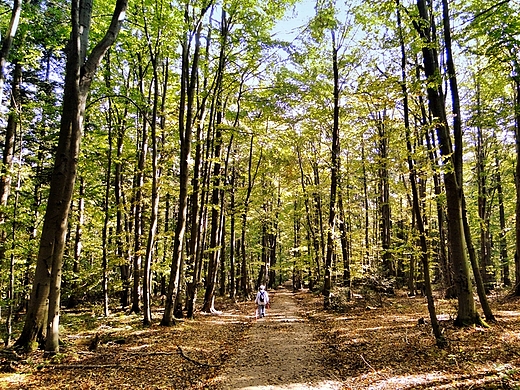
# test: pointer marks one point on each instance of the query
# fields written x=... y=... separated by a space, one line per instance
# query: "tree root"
x=181 y=352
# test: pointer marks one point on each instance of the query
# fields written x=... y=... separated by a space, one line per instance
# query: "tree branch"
x=181 y=352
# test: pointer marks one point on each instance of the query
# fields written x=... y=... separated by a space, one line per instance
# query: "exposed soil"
x=372 y=342
x=280 y=351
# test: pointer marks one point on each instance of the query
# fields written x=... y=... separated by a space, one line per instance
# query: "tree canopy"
x=222 y=149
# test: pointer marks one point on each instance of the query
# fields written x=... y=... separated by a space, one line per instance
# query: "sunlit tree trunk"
x=458 y=162
x=216 y=211
x=504 y=260
x=78 y=78
x=415 y=194
x=78 y=245
x=251 y=177
x=467 y=313
x=334 y=172
x=366 y=243
x=6 y=171
x=186 y=104
x=7 y=42
x=516 y=80
x=106 y=210
x=384 y=196
x=5 y=188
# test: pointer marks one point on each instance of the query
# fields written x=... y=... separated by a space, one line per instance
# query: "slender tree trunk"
x=467 y=313
x=138 y=204
x=106 y=207
x=251 y=178
x=194 y=251
x=482 y=202
x=215 y=236
x=415 y=196
x=335 y=170
x=366 y=257
x=188 y=89
x=318 y=220
x=458 y=164
x=6 y=172
x=504 y=260
x=516 y=80
x=11 y=288
x=232 y=235
x=156 y=173
x=47 y=280
x=384 y=197
x=345 y=247
x=78 y=245
x=121 y=231
x=7 y=42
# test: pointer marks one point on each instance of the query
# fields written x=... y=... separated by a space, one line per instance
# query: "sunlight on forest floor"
x=381 y=347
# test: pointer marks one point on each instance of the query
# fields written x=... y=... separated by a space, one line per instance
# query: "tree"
x=186 y=112
x=79 y=74
x=466 y=306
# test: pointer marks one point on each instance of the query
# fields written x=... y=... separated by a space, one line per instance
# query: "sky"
x=295 y=19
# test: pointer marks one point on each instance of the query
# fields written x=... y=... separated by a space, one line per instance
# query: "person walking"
x=262 y=300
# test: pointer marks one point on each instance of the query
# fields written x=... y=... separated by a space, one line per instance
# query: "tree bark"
x=516 y=80
x=441 y=341
x=504 y=260
x=188 y=89
x=458 y=164
x=7 y=42
x=466 y=306
x=47 y=279
x=334 y=173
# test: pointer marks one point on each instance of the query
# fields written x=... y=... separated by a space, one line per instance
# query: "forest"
x=170 y=154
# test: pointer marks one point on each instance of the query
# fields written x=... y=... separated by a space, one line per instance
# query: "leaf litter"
x=299 y=345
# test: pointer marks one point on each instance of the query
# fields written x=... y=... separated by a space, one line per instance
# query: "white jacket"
x=266 y=298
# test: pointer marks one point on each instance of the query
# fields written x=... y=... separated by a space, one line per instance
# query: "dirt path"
x=279 y=352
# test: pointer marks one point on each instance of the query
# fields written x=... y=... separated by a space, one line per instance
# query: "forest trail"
x=278 y=352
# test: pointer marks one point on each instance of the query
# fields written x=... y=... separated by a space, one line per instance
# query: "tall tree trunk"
x=6 y=172
x=106 y=207
x=251 y=178
x=232 y=235
x=516 y=80
x=344 y=229
x=78 y=245
x=188 y=89
x=458 y=164
x=366 y=256
x=156 y=173
x=138 y=203
x=122 y=246
x=7 y=42
x=194 y=247
x=384 y=197
x=334 y=173
x=215 y=233
x=504 y=260
x=312 y=235
x=214 y=245
x=47 y=279
x=482 y=203
x=15 y=96
x=415 y=196
x=467 y=313
x=318 y=220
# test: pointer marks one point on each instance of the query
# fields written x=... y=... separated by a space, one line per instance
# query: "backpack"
x=261 y=298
